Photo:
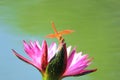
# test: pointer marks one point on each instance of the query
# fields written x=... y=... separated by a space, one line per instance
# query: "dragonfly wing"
x=66 y=32
x=51 y=36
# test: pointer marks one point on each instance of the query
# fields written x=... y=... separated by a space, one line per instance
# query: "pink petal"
x=85 y=72
x=44 y=61
x=82 y=72
x=76 y=63
x=81 y=61
x=26 y=60
x=37 y=48
x=68 y=51
x=34 y=51
x=76 y=58
x=51 y=51
x=70 y=58
x=52 y=45
x=27 y=49
x=74 y=71
x=37 y=45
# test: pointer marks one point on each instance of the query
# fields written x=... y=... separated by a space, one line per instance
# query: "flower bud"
x=57 y=65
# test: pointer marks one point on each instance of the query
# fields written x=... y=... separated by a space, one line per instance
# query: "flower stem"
x=44 y=78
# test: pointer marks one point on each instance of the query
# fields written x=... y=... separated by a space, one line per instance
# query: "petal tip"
x=14 y=52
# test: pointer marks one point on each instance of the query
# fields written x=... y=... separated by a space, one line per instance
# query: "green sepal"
x=57 y=65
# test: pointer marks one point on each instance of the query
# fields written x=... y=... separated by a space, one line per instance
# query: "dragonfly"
x=59 y=34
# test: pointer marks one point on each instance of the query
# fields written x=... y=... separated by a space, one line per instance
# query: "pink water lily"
x=40 y=57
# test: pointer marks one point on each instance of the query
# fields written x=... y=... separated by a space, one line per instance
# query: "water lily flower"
x=56 y=62
x=42 y=55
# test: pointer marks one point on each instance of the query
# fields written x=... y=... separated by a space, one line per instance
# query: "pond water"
x=97 y=33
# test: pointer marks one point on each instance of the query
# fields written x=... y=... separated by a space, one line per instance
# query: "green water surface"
x=96 y=24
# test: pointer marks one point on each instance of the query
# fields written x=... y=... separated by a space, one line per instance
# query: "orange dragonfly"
x=57 y=34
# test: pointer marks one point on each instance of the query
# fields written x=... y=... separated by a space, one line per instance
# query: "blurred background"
x=97 y=32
